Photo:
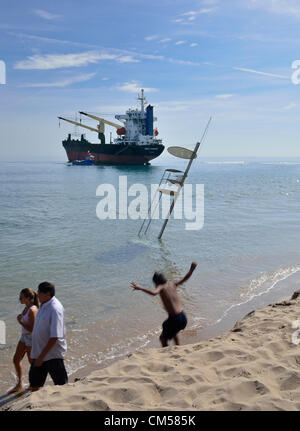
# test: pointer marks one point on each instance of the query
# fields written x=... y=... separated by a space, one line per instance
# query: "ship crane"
x=94 y=117
x=79 y=124
x=99 y=130
x=120 y=130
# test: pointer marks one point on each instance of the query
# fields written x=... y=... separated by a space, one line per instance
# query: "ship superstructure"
x=138 y=125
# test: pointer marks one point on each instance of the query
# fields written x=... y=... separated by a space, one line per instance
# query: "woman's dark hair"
x=159 y=278
x=31 y=294
x=46 y=287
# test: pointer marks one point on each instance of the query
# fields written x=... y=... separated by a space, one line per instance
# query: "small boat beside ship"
x=89 y=160
x=136 y=144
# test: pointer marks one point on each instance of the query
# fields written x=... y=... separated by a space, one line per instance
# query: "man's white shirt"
x=49 y=323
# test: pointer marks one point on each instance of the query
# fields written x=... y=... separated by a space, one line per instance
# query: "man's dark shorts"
x=173 y=325
x=56 y=369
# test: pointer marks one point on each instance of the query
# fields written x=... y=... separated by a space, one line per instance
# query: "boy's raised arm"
x=188 y=274
x=150 y=292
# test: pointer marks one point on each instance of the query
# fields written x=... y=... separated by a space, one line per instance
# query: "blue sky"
x=229 y=59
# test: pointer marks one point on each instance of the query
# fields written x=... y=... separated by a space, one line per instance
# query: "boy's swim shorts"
x=173 y=325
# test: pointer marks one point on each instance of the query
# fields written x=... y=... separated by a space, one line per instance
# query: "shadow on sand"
x=7 y=398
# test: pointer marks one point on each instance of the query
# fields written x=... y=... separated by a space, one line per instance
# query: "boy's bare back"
x=169 y=297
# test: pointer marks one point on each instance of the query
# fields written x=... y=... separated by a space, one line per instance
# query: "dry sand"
x=255 y=366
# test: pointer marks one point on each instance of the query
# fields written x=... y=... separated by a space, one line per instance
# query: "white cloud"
x=56 y=61
x=50 y=40
x=63 y=83
x=291 y=105
x=153 y=37
x=167 y=39
x=199 y=12
x=134 y=87
x=127 y=59
x=180 y=42
x=191 y=15
x=193 y=44
x=184 y=62
x=45 y=15
x=207 y=10
x=272 y=75
x=288 y=107
x=281 y=7
x=224 y=96
x=150 y=56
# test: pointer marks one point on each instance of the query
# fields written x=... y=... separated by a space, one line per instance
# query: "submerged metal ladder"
x=170 y=184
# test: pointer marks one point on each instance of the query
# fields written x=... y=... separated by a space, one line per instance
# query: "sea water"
x=248 y=252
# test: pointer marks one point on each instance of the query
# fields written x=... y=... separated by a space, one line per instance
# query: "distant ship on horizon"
x=136 y=144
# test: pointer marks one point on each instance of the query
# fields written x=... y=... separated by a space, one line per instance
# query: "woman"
x=26 y=319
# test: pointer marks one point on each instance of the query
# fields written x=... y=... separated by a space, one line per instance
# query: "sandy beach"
x=255 y=366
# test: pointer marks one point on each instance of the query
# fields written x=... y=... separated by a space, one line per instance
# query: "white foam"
x=120 y=350
x=265 y=279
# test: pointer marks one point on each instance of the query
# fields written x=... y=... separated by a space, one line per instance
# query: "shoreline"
x=192 y=335
x=253 y=366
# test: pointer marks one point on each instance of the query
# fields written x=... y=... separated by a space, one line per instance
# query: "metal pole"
x=151 y=213
x=168 y=216
x=150 y=207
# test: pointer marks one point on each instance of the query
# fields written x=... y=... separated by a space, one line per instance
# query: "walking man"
x=48 y=340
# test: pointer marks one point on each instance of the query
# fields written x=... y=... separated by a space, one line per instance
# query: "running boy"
x=168 y=292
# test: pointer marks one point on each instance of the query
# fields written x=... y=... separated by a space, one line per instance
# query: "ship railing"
x=127 y=143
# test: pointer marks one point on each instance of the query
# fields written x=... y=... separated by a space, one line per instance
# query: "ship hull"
x=112 y=154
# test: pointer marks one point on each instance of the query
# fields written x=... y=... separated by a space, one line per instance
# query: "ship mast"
x=142 y=99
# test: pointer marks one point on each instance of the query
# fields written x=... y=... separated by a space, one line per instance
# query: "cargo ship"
x=136 y=144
